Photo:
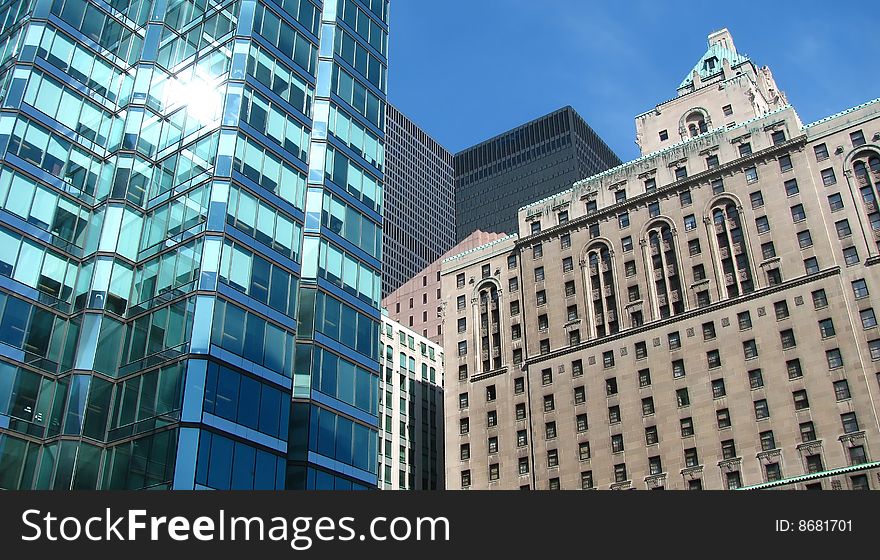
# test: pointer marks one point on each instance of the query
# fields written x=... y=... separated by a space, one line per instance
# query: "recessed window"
x=712 y=161
x=751 y=175
x=565 y=241
x=465 y=451
x=674 y=340
x=834 y=358
x=549 y=403
x=794 y=369
x=608 y=359
x=761 y=409
x=569 y=288
x=680 y=173
x=718 y=388
x=627 y=244
x=651 y=435
x=805 y=239
x=684 y=197
x=617 y=443
x=562 y=216
x=798 y=214
x=537 y=251
x=647 y=406
x=717 y=186
x=826 y=328
x=801 y=402
x=694 y=247
x=868 y=318
x=745 y=149
x=536 y=227
x=820 y=300
x=811 y=265
x=762 y=224
x=682 y=397
x=821 y=151
x=678 y=369
x=519 y=386
x=860 y=288
x=828 y=177
x=857 y=138
x=623 y=220
x=644 y=378
x=687 y=427
x=778 y=137
x=787 y=339
x=584 y=451
x=850 y=256
x=768 y=250
x=756 y=379
x=850 y=422
x=841 y=390
x=611 y=386
x=581 y=421
x=750 y=349
x=613 y=414
x=539 y=274
x=650 y=185
x=550 y=430
x=664 y=135
x=768 y=441
x=620 y=195
x=808 y=432
x=744 y=319
x=728 y=110
x=757 y=199
x=780 y=308
x=690 y=222
x=791 y=187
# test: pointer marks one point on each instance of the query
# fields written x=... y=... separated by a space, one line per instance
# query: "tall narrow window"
x=600 y=291
x=730 y=251
x=867 y=175
x=665 y=272
x=490 y=328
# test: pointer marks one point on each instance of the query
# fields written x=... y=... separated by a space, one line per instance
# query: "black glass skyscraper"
x=497 y=177
x=190 y=240
x=419 y=205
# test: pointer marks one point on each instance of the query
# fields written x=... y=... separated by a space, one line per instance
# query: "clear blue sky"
x=465 y=70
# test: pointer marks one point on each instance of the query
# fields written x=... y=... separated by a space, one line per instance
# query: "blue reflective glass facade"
x=190 y=243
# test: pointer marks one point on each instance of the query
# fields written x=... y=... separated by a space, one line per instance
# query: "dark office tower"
x=419 y=220
x=497 y=177
x=189 y=243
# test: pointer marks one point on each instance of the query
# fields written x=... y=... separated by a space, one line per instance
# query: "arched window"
x=665 y=279
x=866 y=168
x=600 y=291
x=730 y=253
x=490 y=327
x=696 y=123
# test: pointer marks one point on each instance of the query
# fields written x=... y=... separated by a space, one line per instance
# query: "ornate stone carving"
x=730 y=465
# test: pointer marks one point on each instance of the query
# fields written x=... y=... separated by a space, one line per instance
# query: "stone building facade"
x=411 y=410
x=700 y=317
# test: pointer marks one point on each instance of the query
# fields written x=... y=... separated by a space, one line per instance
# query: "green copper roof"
x=712 y=62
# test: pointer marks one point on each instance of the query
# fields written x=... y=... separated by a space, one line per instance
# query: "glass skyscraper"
x=190 y=243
